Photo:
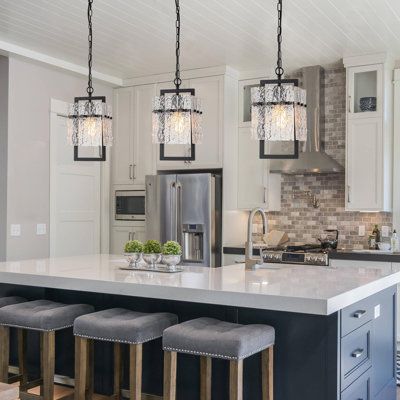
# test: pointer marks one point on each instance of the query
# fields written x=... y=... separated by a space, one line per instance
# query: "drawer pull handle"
x=357 y=353
x=359 y=313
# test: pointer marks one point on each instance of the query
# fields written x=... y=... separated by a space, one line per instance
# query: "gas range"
x=306 y=254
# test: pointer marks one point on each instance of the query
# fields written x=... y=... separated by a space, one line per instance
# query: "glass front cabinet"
x=369 y=133
x=365 y=91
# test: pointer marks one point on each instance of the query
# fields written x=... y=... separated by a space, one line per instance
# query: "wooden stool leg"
x=267 y=370
x=81 y=363
x=236 y=380
x=22 y=356
x=117 y=370
x=48 y=357
x=169 y=375
x=205 y=378
x=135 y=373
x=4 y=352
x=90 y=370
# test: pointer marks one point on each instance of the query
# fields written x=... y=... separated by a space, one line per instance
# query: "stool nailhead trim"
x=200 y=353
x=116 y=340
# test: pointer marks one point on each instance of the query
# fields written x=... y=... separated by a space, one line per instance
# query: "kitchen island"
x=335 y=328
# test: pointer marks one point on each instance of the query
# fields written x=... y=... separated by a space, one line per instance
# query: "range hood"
x=312 y=158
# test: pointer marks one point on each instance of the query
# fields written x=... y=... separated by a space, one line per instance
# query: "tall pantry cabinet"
x=369 y=133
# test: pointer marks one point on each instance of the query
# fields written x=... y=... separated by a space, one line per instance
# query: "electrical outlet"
x=377 y=311
x=15 y=230
x=40 y=229
x=361 y=230
x=385 y=231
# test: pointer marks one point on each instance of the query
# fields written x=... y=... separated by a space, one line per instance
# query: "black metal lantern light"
x=278 y=109
x=90 y=120
x=177 y=115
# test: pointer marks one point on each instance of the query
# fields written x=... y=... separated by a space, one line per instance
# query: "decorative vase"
x=367 y=104
x=133 y=259
x=152 y=259
x=171 y=261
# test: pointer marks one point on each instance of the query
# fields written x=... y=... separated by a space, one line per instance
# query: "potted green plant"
x=152 y=250
x=133 y=252
x=172 y=252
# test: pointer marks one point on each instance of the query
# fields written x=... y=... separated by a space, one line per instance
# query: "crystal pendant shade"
x=177 y=119
x=89 y=123
x=278 y=113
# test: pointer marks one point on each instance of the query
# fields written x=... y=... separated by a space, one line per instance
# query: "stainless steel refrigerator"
x=187 y=208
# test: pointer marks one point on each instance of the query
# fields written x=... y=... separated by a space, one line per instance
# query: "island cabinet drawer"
x=360 y=389
x=355 y=354
x=357 y=315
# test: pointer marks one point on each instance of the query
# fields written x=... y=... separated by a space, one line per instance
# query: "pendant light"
x=278 y=107
x=90 y=120
x=177 y=115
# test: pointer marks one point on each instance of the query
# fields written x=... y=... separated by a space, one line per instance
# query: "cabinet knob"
x=357 y=353
x=358 y=314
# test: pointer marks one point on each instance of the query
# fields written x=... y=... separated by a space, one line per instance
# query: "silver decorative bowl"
x=171 y=261
x=152 y=259
x=133 y=259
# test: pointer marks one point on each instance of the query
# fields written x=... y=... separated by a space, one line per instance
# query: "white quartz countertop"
x=301 y=289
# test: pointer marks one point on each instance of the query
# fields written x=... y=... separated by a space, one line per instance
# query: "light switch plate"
x=41 y=229
x=361 y=230
x=15 y=230
x=377 y=311
x=385 y=231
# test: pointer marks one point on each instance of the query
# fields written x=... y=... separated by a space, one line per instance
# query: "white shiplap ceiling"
x=137 y=37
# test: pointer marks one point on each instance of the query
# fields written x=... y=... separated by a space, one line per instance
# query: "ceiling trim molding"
x=9 y=48
x=185 y=74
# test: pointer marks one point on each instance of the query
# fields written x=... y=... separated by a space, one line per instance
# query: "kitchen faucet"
x=252 y=263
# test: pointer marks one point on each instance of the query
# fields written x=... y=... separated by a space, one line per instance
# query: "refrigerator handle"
x=179 y=212
x=173 y=211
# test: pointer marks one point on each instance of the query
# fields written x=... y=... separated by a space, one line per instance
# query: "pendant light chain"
x=178 y=79
x=90 y=89
x=279 y=70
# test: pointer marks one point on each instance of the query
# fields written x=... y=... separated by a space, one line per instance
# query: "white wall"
x=31 y=86
x=3 y=154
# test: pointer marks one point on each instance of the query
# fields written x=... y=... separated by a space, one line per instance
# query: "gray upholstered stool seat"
x=218 y=339
x=7 y=301
x=123 y=326
x=42 y=315
x=119 y=326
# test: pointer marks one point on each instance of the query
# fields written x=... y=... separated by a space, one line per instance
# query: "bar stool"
x=47 y=317
x=210 y=338
x=119 y=326
x=4 y=347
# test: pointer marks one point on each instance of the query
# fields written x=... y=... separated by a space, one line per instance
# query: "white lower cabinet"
x=122 y=234
x=256 y=186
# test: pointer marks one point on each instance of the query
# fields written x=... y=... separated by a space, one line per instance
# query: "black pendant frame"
x=192 y=156
x=295 y=153
x=102 y=148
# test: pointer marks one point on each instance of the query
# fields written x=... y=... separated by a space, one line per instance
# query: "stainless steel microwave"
x=130 y=205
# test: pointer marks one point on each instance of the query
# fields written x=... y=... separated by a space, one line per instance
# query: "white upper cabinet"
x=369 y=133
x=210 y=91
x=245 y=87
x=256 y=186
x=133 y=151
x=122 y=149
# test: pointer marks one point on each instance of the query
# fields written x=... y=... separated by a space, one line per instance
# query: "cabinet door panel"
x=119 y=236
x=364 y=164
x=143 y=148
x=251 y=170
x=122 y=159
x=210 y=92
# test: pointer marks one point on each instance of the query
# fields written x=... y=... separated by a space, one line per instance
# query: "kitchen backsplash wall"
x=297 y=217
